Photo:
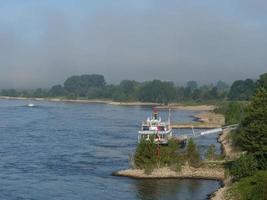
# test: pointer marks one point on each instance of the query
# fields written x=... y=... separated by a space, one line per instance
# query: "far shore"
x=176 y=106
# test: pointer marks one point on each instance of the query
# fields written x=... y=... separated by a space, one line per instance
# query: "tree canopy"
x=253 y=129
x=242 y=90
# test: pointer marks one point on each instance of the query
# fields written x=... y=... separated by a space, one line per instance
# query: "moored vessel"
x=155 y=129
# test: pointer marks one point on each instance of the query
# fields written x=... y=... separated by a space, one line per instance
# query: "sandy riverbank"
x=204 y=120
x=205 y=172
x=105 y=101
x=187 y=107
x=122 y=103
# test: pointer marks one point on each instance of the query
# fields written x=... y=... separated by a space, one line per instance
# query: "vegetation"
x=93 y=86
x=250 y=188
x=249 y=171
x=147 y=157
x=192 y=154
x=245 y=166
x=211 y=153
x=252 y=133
x=242 y=90
x=233 y=111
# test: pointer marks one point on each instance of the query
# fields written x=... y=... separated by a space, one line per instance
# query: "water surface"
x=68 y=151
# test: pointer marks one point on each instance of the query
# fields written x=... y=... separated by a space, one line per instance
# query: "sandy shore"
x=212 y=173
x=204 y=120
x=137 y=103
x=106 y=101
x=187 y=107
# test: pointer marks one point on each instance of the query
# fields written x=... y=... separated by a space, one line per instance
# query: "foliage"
x=192 y=154
x=211 y=153
x=242 y=90
x=56 y=91
x=253 y=129
x=233 y=111
x=146 y=156
x=262 y=82
x=261 y=159
x=246 y=165
x=250 y=188
x=156 y=91
x=80 y=85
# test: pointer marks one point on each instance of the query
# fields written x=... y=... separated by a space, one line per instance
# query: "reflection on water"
x=169 y=189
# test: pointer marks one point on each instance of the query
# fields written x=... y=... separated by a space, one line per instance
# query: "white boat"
x=155 y=129
x=30 y=105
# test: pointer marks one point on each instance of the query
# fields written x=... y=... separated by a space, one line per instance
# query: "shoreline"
x=230 y=154
x=177 y=106
x=187 y=172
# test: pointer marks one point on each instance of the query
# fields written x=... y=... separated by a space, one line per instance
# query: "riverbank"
x=203 y=120
x=229 y=154
x=204 y=172
x=121 y=103
x=177 y=106
x=83 y=101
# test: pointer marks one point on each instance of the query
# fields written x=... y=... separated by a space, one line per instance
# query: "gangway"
x=206 y=132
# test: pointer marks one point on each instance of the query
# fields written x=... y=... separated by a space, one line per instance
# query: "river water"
x=68 y=151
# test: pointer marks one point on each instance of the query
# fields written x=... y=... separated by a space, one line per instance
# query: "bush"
x=146 y=156
x=210 y=154
x=261 y=159
x=192 y=154
x=246 y=165
x=250 y=188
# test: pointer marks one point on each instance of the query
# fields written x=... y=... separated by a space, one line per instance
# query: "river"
x=68 y=151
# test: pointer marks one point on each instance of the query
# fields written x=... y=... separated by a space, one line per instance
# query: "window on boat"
x=145 y=128
x=161 y=128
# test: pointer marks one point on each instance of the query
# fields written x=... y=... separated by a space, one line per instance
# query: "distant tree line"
x=94 y=86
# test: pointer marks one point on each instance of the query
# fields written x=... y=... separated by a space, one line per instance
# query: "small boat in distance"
x=155 y=129
x=30 y=105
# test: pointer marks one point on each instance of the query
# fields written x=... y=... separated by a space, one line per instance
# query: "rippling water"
x=68 y=151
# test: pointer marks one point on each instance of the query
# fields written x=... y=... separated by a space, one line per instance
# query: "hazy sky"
x=43 y=42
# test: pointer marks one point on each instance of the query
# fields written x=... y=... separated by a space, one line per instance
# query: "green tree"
x=262 y=82
x=80 y=85
x=211 y=153
x=246 y=165
x=242 y=90
x=235 y=112
x=157 y=91
x=146 y=156
x=253 y=129
x=56 y=91
x=192 y=154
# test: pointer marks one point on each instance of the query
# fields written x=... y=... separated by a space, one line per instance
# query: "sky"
x=42 y=42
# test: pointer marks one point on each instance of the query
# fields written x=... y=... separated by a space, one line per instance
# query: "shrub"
x=146 y=155
x=210 y=154
x=246 y=165
x=192 y=154
x=261 y=159
x=250 y=188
